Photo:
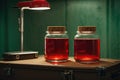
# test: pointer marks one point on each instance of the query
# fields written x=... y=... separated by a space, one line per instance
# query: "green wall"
x=104 y=14
x=113 y=29
x=2 y=27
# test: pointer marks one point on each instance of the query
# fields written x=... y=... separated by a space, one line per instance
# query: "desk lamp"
x=30 y=5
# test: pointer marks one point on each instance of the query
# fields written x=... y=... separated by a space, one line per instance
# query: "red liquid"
x=87 y=50
x=56 y=50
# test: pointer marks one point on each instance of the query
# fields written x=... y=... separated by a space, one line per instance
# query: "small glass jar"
x=86 y=45
x=56 y=44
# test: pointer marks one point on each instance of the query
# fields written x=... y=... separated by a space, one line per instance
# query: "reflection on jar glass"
x=86 y=45
x=56 y=44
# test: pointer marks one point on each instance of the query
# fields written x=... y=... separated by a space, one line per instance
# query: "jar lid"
x=56 y=29
x=87 y=29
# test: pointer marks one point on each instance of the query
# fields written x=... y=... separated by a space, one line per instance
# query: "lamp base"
x=20 y=55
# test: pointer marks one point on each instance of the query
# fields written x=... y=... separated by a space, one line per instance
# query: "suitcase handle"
x=68 y=75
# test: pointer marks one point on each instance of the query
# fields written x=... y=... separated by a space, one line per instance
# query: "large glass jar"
x=56 y=44
x=86 y=45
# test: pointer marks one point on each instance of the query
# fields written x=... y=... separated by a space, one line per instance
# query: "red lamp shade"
x=35 y=4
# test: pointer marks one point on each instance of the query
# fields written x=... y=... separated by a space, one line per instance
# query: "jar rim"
x=86 y=32
x=56 y=32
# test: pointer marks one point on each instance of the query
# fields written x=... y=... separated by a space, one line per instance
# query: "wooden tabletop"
x=71 y=63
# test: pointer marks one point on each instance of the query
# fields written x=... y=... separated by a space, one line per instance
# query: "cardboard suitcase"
x=39 y=69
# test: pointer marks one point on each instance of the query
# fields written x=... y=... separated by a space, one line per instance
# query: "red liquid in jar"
x=87 y=50
x=56 y=50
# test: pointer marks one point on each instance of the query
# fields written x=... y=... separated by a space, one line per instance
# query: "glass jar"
x=56 y=44
x=86 y=45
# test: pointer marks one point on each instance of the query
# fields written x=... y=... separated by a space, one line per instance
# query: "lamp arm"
x=22 y=27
